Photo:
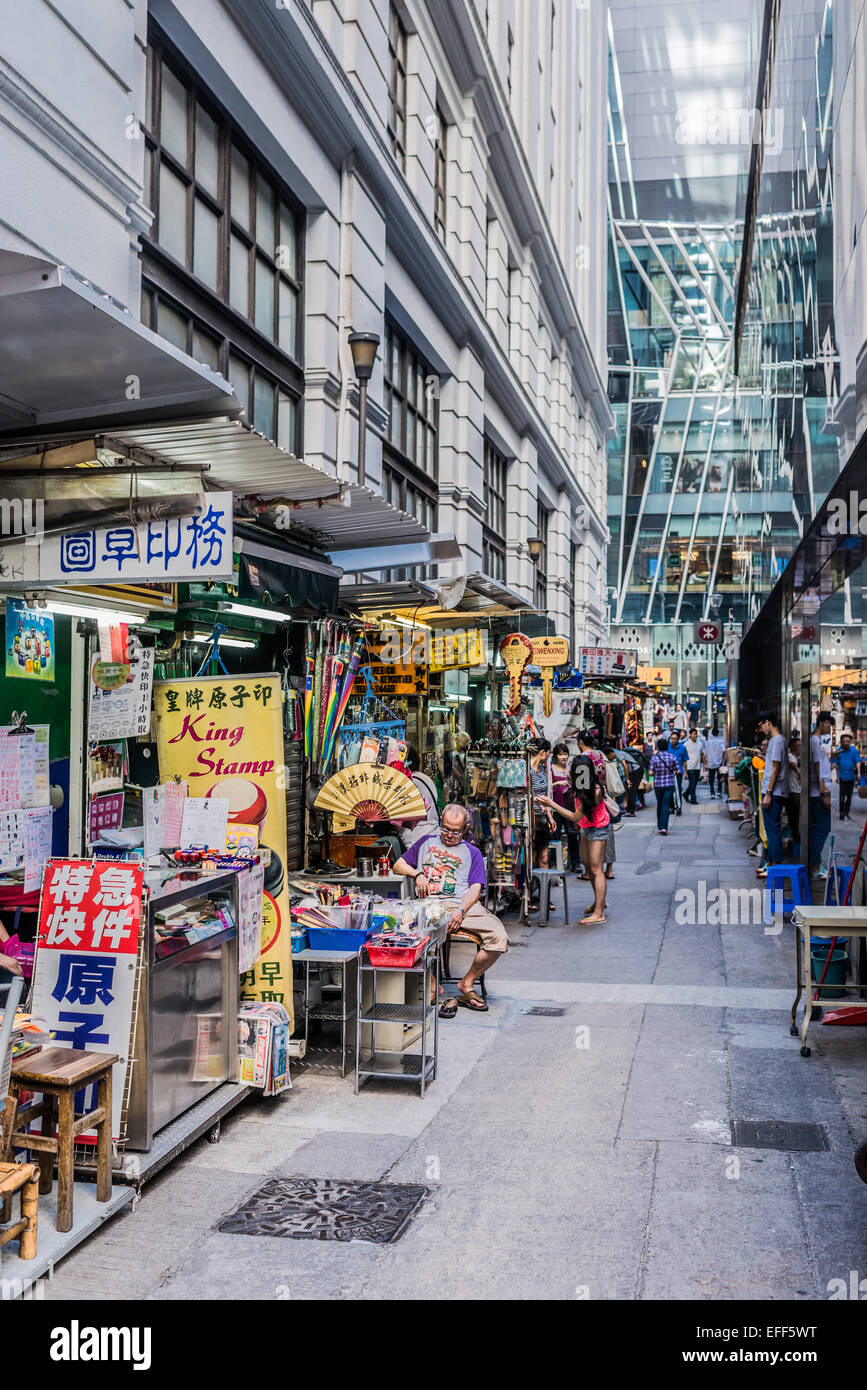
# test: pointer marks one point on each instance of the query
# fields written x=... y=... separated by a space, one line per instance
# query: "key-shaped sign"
x=517 y=652
x=548 y=653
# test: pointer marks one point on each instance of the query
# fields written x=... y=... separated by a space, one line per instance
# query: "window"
x=412 y=402
x=440 y=175
x=410 y=463
x=541 y=587
x=494 y=526
x=397 y=87
x=218 y=213
x=221 y=273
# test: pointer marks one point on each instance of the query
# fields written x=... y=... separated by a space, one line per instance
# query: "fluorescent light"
x=100 y=615
x=205 y=637
x=404 y=622
x=243 y=610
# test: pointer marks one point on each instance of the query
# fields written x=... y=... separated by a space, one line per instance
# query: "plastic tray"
x=396 y=957
x=336 y=938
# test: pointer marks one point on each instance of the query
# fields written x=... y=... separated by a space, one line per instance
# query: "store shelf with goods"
x=397 y=1024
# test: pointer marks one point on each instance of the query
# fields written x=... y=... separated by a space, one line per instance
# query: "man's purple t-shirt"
x=450 y=869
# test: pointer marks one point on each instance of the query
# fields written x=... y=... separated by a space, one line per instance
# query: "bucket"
x=835 y=974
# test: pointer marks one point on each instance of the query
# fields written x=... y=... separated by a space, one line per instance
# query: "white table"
x=821 y=924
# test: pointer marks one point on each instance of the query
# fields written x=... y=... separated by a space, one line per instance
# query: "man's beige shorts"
x=488 y=927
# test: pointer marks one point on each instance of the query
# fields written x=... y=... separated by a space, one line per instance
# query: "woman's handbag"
x=615 y=815
x=511 y=773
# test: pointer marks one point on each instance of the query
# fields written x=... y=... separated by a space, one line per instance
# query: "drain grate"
x=789 y=1136
x=324 y=1209
x=540 y=1012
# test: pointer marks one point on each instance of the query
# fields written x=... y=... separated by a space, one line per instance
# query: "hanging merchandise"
x=361 y=741
x=371 y=793
x=517 y=652
x=548 y=654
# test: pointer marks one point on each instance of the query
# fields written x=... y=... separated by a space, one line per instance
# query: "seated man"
x=444 y=866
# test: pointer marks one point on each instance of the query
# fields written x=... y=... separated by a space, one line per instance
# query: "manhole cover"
x=786 y=1135
x=323 y=1209
x=540 y=1012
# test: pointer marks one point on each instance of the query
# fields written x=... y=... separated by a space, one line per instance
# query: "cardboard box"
x=736 y=790
x=733 y=756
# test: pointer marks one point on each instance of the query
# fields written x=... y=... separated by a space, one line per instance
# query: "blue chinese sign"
x=178 y=547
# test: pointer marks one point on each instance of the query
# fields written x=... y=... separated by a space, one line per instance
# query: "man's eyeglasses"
x=456 y=834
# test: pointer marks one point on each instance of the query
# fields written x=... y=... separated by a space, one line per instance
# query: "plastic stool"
x=795 y=883
x=555 y=855
x=546 y=877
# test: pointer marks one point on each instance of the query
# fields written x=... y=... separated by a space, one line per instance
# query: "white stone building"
x=256 y=180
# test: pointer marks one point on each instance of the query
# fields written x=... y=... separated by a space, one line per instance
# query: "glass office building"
x=723 y=449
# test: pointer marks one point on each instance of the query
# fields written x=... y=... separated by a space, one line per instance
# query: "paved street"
x=555 y=1170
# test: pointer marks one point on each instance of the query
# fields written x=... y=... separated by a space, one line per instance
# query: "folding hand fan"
x=369 y=792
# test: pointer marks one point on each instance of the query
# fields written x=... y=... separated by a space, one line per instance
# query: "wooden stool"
x=23 y=1178
x=56 y=1074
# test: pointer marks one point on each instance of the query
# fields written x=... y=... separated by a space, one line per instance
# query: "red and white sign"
x=608 y=661
x=708 y=632
x=84 y=973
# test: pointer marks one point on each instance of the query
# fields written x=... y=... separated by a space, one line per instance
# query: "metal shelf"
x=398 y=1013
x=400 y=1066
x=324 y=1013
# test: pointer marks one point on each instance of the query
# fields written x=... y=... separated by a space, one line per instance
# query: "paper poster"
x=38 y=828
x=106 y=813
x=204 y=822
x=84 y=973
x=224 y=736
x=250 y=888
x=29 y=642
x=11 y=839
x=24 y=779
x=120 y=697
x=106 y=767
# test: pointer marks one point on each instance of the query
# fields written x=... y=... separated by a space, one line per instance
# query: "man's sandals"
x=471 y=1001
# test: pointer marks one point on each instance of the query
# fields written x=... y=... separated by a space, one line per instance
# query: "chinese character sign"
x=84 y=974
x=223 y=736
x=181 y=547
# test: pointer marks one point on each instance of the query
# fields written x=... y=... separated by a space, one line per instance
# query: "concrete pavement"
x=583 y=1156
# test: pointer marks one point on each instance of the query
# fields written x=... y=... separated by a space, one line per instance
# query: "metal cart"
x=390 y=1063
x=822 y=924
x=333 y=1010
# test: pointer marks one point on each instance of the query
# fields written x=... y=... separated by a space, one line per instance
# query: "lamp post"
x=364 y=347
x=715 y=606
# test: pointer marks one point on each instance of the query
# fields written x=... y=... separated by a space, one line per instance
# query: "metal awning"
x=170 y=461
x=69 y=354
x=461 y=602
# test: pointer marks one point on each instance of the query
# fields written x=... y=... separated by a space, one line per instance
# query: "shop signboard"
x=120 y=697
x=608 y=661
x=566 y=719
x=84 y=974
x=223 y=736
x=174 y=548
x=397 y=663
x=655 y=675
x=29 y=642
x=450 y=649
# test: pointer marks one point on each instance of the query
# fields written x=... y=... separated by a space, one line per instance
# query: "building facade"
x=255 y=181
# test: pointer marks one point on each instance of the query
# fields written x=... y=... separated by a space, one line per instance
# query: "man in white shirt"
x=775 y=787
x=715 y=751
x=695 y=761
x=680 y=720
x=820 y=790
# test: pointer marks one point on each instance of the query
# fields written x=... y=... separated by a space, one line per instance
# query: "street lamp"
x=535 y=545
x=364 y=347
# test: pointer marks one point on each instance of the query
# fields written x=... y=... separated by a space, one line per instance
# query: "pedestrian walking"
x=820 y=790
x=715 y=751
x=793 y=800
x=695 y=761
x=677 y=749
x=680 y=720
x=847 y=761
x=663 y=769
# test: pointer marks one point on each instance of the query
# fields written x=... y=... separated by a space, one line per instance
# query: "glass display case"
x=186 y=1042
